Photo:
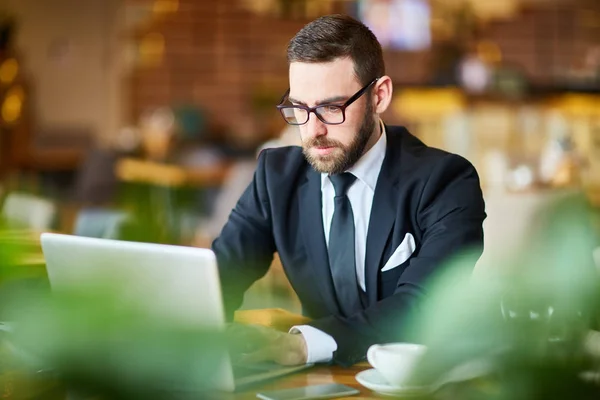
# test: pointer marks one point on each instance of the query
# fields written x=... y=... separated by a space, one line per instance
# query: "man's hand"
x=257 y=343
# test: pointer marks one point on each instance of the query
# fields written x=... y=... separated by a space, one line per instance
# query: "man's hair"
x=337 y=36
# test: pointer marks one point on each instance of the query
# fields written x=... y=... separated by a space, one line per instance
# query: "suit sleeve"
x=245 y=247
x=450 y=214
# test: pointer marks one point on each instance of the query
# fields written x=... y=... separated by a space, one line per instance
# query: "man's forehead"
x=313 y=82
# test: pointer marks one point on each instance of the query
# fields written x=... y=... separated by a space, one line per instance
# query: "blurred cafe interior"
x=142 y=119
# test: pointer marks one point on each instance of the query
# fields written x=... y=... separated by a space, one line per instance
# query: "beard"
x=342 y=157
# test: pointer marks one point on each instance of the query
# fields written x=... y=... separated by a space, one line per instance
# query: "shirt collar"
x=368 y=166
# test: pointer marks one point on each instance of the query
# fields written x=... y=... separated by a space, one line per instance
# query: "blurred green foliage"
x=93 y=343
x=521 y=323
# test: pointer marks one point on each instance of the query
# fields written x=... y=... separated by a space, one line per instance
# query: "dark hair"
x=335 y=36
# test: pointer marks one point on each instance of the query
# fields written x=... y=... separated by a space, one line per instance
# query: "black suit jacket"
x=432 y=194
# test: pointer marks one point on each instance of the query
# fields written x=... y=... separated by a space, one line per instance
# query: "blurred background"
x=142 y=119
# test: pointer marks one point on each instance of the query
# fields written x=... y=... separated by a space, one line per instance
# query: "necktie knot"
x=342 y=182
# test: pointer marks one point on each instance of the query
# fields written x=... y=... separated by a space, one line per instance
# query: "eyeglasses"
x=331 y=114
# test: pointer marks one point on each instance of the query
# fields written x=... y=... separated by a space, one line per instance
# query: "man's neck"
x=375 y=135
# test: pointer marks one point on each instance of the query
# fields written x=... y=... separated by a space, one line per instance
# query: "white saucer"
x=371 y=379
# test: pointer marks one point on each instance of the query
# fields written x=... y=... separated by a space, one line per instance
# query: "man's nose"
x=315 y=127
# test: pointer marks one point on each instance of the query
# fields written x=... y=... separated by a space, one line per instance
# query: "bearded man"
x=362 y=215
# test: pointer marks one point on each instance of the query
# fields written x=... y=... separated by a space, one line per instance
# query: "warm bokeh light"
x=161 y=7
x=434 y=102
x=489 y=52
x=9 y=70
x=151 y=49
x=13 y=104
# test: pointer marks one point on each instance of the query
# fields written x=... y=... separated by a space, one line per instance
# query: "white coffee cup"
x=395 y=361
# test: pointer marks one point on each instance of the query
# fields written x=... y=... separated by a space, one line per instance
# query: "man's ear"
x=382 y=94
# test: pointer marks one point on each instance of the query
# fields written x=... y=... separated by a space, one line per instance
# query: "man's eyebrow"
x=329 y=100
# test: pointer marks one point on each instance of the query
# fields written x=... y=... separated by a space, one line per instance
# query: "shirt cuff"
x=319 y=345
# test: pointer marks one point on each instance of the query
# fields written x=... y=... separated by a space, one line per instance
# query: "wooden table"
x=320 y=374
x=315 y=376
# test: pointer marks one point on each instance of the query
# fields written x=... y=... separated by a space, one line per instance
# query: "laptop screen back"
x=173 y=283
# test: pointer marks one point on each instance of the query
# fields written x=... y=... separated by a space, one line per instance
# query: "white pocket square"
x=401 y=254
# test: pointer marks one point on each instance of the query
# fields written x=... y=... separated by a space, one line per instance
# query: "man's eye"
x=332 y=109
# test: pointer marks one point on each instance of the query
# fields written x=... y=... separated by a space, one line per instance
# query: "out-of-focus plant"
x=104 y=342
x=522 y=323
x=17 y=251
x=95 y=342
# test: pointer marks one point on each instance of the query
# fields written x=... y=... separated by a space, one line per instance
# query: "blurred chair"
x=96 y=182
x=29 y=211
x=237 y=180
x=57 y=148
x=99 y=223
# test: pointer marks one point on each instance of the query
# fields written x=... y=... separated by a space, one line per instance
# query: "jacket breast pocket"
x=388 y=280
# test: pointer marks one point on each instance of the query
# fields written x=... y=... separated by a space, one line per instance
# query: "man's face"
x=332 y=149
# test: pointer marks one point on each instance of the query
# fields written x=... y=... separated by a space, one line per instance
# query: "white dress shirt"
x=320 y=345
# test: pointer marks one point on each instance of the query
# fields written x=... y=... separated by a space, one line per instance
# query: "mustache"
x=322 y=142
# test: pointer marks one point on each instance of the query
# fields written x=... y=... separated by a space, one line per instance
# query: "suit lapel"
x=311 y=225
x=383 y=212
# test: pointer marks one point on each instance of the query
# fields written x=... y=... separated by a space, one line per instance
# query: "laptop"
x=174 y=283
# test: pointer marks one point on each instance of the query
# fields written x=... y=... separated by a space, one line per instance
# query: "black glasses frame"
x=281 y=107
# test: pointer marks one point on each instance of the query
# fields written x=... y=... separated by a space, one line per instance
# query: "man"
x=361 y=215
